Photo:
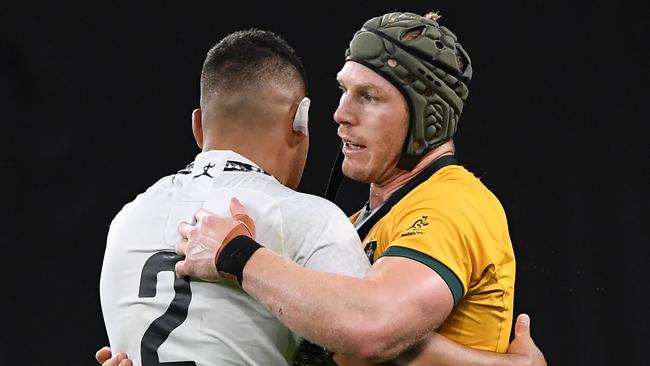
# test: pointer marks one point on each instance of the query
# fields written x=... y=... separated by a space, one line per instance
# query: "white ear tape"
x=302 y=117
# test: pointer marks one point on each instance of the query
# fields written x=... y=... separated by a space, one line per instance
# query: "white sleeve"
x=318 y=236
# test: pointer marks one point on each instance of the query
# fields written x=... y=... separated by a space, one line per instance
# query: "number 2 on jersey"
x=159 y=330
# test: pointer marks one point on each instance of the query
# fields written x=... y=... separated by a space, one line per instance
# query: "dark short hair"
x=246 y=58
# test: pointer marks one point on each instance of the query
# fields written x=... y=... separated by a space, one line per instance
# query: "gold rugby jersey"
x=453 y=224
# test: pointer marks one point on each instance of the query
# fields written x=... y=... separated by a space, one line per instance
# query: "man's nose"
x=344 y=113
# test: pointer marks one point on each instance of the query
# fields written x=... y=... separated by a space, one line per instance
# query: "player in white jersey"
x=138 y=283
x=252 y=129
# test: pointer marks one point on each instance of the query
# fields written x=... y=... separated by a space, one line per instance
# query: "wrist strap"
x=234 y=256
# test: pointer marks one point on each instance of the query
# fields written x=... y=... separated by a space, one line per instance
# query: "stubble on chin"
x=357 y=174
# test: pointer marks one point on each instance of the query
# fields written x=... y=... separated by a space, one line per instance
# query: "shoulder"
x=452 y=189
x=163 y=185
x=315 y=218
x=309 y=218
x=453 y=204
x=306 y=207
x=319 y=236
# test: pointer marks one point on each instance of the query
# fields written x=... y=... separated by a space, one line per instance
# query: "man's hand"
x=201 y=244
x=103 y=356
x=523 y=344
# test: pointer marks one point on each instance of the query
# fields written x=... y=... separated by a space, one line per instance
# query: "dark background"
x=95 y=106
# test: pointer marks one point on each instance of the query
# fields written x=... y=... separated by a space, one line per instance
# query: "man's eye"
x=369 y=98
x=342 y=89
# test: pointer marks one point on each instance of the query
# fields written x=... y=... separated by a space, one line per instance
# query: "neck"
x=379 y=193
x=266 y=155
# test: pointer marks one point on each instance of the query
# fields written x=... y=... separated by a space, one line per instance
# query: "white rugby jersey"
x=154 y=317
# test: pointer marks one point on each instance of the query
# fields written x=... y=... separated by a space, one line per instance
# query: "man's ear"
x=197 y=127
x=301 y=117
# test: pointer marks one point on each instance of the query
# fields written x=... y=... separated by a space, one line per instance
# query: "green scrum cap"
x=429 y=67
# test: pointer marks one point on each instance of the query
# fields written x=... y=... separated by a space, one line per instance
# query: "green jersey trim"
x=447 y=275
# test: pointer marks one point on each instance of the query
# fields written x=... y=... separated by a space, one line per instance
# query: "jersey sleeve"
x=319 y=236
x=432 y=234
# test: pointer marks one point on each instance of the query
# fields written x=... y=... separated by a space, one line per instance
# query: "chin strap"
x=336 y=177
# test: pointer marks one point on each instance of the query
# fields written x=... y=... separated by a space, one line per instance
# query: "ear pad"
x=302 y=117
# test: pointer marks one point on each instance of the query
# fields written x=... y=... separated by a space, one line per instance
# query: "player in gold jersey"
x=454 y=225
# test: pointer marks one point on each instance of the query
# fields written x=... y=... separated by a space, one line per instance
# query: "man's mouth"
x=351 y=147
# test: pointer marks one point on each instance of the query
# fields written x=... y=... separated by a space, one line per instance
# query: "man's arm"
x=397 y=293
x=437 y=350
x=398 y=303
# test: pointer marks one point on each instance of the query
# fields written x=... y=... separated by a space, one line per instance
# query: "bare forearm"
x=322 y=307
x=338 y=312
x=438 y=350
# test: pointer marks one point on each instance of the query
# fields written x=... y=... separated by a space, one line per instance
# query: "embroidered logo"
x=417 y=226
x=237 y=166
x=187 y=170
x=370 y=249
x=205 y=171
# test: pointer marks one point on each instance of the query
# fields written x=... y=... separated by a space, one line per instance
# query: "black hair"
x=245 y=58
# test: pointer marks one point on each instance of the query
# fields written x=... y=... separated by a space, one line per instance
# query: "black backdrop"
x=95 y=106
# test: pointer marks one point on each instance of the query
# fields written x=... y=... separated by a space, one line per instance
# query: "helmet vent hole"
x=391 y=62
x=413 y=33
x=462 y=61
x=430 y=77
x=421 y=71
x=437 y=83
x=439 y=45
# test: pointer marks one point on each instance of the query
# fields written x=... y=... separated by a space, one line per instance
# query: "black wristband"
x=235 y=255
